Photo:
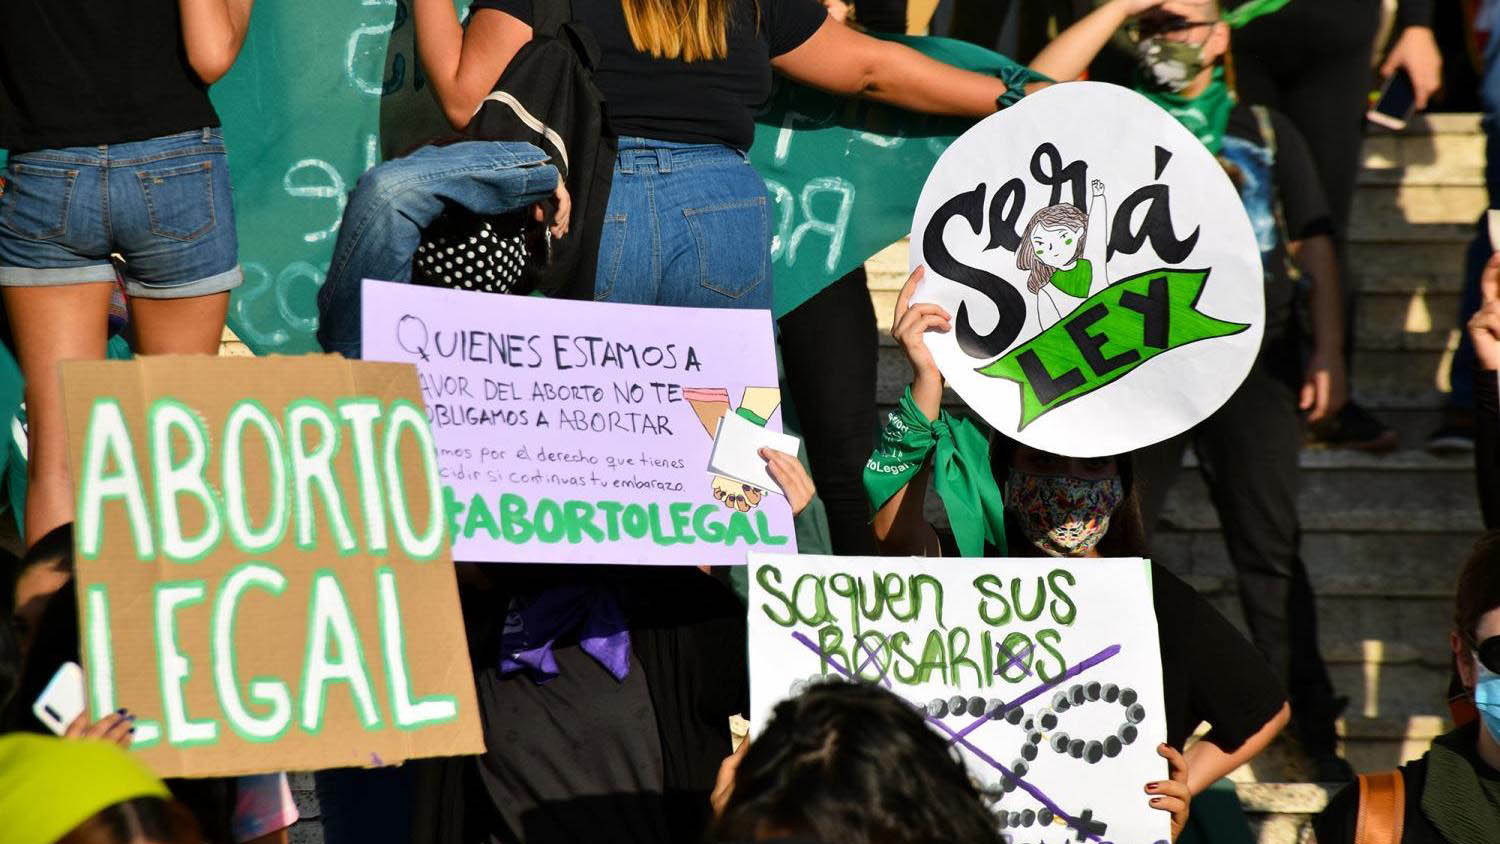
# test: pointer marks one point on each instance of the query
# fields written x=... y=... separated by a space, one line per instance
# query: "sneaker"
x=1354 y=427
x=1455 y=435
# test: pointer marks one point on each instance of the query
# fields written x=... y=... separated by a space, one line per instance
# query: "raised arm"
x=212 y=33
x=901 y=528
x=463 y=64
x=1096 y=240
x=1068 y=55
x=844 y=61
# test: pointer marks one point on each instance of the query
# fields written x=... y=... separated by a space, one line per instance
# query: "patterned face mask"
x=1062 y=516
x=1168 y=65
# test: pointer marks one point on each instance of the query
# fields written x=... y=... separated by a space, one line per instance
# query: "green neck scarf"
x=961 y=472
x=1462 y=794
x=1247 y=12
x=1206 y=115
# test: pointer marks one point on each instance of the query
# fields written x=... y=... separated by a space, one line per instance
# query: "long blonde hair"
x=690 y=30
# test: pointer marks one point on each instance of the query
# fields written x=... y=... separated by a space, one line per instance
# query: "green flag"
x=1109 y=335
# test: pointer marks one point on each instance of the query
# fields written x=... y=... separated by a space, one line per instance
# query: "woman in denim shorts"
x=114 y=150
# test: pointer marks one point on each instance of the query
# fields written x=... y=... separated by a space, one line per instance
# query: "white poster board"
x=1046 y=674
x=1099 y=267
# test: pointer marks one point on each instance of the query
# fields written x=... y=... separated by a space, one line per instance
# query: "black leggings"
x=1311 y=62
x=828 y=349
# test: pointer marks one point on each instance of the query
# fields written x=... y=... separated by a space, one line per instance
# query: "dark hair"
x=150 y=819
x=851 y=763
x=1127 y=533
x=1478 y=587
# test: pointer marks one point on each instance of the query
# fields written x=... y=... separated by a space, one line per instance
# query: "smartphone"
x=1395 y=103
x=63 y=700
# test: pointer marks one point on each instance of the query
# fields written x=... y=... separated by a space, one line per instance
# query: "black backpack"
x=547 y=97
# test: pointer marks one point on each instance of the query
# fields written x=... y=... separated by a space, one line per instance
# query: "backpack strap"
x=1382 y=808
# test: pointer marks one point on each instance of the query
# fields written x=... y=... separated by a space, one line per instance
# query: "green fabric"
x=1462 y=794
x=50 y=785
x=1206 y=115
x=961 y=472
x=1247 y=12
x=1075 y=281
x=1216 y=816
x=12 y=458
x=845 y=174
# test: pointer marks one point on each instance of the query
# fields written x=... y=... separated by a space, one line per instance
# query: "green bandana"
x=1206 y=115
x=961 y=472
x=1462 y=802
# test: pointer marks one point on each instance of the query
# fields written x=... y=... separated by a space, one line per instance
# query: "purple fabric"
x=534 y=623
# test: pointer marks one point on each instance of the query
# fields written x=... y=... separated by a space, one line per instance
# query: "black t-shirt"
x=1276 y=176
x=712 y=102
x=584 y=757
x=86 y=73
x=1210 y=673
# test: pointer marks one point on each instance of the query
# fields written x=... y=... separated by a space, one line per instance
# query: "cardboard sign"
x=1045 y=674
x=1102 y=275
x=262 y=564
x=580 y=432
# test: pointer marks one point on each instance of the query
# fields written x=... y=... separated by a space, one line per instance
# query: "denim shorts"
x=687 y=225
x=163 y=204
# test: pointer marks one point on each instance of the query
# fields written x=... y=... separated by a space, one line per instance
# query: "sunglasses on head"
x=1488 y=652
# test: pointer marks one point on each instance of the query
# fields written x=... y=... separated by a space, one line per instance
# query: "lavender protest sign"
x=1045 y=674
x=581 y=432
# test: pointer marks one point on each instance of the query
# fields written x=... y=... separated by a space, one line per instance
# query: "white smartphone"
x=63 y=700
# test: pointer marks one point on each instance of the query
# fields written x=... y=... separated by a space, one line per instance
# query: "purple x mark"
x=961 y=737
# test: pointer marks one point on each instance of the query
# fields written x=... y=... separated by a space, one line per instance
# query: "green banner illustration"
x=1107 y=337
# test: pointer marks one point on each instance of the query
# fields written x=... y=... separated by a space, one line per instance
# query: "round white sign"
x=1102 y=276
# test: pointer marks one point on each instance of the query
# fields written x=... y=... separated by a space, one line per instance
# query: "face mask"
x=1062 y=516
x=1169 y=65
x=1487 y=700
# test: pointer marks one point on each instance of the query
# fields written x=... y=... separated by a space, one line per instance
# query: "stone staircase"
x=1384 y=536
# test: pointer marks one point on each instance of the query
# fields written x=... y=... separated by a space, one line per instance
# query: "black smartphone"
x=1395 y=103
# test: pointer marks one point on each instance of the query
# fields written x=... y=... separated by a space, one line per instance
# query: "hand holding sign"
x=1082 y=239
x=1484 y=326
x=908 y=327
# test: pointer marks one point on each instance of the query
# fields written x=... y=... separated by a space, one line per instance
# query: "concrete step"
x=1348 y=491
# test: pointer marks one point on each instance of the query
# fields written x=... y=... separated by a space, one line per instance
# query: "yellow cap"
x=50 y=785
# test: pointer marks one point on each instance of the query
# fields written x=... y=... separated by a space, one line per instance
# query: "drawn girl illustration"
x=1063 y=249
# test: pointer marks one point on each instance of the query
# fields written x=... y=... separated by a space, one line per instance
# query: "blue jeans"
x=164 y=203
x=1464 y=363
x=395 y=201
x=686 y=225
